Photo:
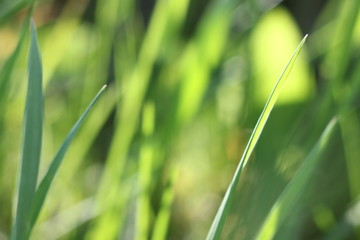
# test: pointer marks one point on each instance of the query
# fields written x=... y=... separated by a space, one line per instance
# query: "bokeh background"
x=187 y=82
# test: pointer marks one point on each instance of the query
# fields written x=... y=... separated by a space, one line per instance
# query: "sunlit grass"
x=187 y=81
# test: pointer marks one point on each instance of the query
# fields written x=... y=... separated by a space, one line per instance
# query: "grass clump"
x=31 y=197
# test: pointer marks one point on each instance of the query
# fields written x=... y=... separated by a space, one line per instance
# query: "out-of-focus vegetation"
x=187 y=82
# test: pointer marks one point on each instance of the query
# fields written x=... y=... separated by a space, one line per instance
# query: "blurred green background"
x=187 y=81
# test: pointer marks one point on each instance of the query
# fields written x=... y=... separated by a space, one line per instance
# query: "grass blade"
x=44 y=186
x=295 y=188
x=219 y=221
x=162 y=221
x=32 y=134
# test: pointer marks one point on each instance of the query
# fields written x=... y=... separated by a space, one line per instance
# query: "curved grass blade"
x=295 y=188
x=44 y=186
x=162 y=221
x=32 y=134
x=220 y=218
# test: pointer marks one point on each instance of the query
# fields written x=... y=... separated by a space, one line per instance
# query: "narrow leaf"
x=45 y=184
x=32 y=136
x=287 y=200
x=220 y=218
x=11 y=7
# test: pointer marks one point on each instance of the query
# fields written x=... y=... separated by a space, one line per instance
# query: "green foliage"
x=219 y=221
x=32 y=142
x=288 y=199
x=187 y=82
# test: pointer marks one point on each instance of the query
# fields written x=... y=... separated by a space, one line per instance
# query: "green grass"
x=187 y=81
x=30 y=196
x=220 y=218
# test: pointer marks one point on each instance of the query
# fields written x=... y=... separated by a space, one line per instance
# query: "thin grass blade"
x=220 y=218
x=295 y=188
x=44 y=186
x=32 y=137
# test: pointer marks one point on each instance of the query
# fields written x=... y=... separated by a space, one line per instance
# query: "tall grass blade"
x=220 y=218
x=44 y=186
x=295 y=188
x=32 y=134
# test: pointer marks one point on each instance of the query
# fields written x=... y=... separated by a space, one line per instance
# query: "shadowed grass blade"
x=32 y=136
x=220 y=218
x=295 y=188
x=44 y=186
